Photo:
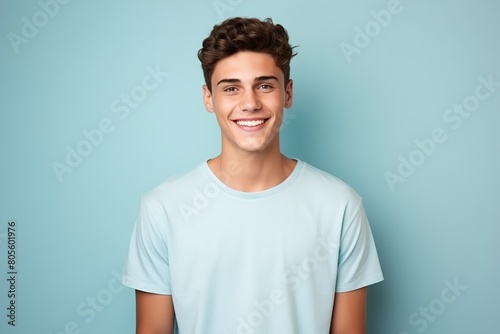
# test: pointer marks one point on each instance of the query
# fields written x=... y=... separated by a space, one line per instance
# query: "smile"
x=250 y=123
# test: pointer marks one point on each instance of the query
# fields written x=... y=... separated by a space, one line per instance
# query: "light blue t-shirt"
x=252 y=262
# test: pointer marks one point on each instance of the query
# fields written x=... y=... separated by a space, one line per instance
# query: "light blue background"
x=353 y=119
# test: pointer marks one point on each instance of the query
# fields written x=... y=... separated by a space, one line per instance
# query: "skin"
x=349 y=313
x=249 y=86
x=154 y=313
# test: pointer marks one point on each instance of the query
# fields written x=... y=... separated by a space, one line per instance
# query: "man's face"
x=248 y=98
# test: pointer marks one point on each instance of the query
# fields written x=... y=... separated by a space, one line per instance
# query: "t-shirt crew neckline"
x=256 y=194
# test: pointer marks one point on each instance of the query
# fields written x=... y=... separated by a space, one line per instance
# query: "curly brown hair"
x=245 y=34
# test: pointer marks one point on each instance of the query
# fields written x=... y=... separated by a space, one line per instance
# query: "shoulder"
x=175 y=187
x=322 y=183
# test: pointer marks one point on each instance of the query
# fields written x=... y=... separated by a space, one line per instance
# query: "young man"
x=251 y=241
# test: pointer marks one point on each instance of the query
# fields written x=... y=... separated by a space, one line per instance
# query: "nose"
x=249 y=101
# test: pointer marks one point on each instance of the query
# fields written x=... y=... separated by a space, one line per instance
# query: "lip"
x=251 y=128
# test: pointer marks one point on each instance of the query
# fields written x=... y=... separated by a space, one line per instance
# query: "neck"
x=252 y=171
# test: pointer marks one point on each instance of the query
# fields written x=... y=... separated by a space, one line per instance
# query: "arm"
x=349 y=312
x=154 y=313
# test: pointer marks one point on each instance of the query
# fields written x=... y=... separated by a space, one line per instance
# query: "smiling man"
x=251 y=241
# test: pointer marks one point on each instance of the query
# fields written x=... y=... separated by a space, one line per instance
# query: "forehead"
x=246 y=65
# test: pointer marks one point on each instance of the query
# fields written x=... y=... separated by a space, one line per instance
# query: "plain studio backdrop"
x=101 y=100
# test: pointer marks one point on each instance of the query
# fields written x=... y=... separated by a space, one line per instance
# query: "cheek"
x=224 y=105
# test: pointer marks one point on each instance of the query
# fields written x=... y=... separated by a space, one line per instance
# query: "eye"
x=230 y=89
x=265 y=87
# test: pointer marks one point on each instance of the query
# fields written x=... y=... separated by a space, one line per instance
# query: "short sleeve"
x=147 y=266
x=358 y=264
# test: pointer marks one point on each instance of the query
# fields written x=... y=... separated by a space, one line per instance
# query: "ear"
x=289 y=94
x=207 y=99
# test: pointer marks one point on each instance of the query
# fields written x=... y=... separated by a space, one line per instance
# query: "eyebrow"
x=257 y=79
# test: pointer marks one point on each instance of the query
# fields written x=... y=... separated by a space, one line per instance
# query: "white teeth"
x=250 y=123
